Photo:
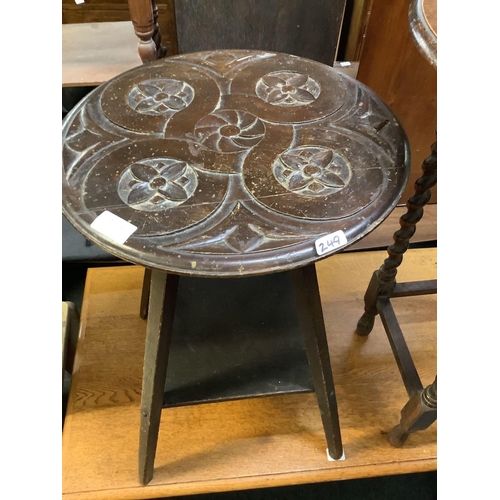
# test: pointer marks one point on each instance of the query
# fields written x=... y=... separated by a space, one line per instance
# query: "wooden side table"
x=230 y=164
x=421 y=410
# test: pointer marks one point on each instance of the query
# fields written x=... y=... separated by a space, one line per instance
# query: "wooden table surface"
x=253 y=443
x=93 y=53
x=231 y=163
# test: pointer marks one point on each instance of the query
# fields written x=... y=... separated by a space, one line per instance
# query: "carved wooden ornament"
x=231 y=162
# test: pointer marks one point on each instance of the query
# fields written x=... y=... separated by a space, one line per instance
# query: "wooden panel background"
x=306 y=28
x=94 y=11
x=391 y=65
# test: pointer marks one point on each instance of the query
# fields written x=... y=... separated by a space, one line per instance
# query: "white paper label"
x=345 y=64
x=78 y=2
x=330 y=242
x=114 y=227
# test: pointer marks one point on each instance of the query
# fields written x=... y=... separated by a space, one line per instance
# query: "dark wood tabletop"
x=230 y=163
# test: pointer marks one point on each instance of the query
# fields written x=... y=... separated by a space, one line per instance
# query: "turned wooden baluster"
x=143 y=14
x=418 y=414
x=384 y=280
x=161 y=51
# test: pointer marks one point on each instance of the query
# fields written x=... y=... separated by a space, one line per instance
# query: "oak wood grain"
x=251 y=443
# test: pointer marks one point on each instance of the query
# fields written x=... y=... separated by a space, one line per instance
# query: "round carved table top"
x=230 y=163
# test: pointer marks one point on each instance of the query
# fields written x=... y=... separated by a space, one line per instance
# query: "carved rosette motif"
x=229 y=131
x=160 y=96
x=231 y=155
x=287 y=88
x=157 y=183
x=312 y=171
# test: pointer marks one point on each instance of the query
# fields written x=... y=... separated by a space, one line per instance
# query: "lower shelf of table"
x=248 y=443
x=235 y=338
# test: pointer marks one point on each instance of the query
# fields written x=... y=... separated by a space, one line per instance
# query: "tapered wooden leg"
x=418 y=414
x=146 y=285
x=310 y=313
x=159 y=328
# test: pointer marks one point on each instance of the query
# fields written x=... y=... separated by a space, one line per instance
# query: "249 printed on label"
x=330 y=242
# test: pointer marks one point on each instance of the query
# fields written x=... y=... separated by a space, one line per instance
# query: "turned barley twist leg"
x=384 y=280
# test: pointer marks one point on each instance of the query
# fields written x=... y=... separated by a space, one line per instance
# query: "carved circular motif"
x=231 y=163
x=230 y=131
x=287 y=88
x=312 y=171
x=157 y=184
x=160 y=96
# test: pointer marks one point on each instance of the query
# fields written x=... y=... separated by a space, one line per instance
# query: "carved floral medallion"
x=287 y=88
x=160 y=96
x=157 y=183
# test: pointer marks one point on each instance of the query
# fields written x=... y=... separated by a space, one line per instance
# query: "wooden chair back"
x=305 y=28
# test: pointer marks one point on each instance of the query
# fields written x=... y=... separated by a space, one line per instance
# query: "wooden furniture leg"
x=383 y=281
x=146 y=285
x=421 y=410
x=418 y=414
x=159 y=328
x=308 y=300
x=142 y=17
x=161 y=51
